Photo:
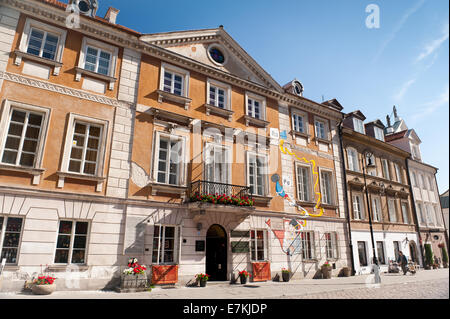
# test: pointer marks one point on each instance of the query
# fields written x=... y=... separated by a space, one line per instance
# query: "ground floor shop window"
x=72 y=242
x=258 y=245
x=396 y=249
x=10 y=231
x=362 y=253
x=380 y=253
x=165 y=244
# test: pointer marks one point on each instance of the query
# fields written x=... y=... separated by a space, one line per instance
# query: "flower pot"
x=286 y=276
x=203 y=283
x=243 y=280
x=346 y=272
x=43 y=289
x=326 y=272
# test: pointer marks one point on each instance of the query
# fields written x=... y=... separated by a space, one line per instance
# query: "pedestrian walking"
x=403 y=262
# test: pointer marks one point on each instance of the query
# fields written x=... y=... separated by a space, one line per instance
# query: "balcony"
x=220 y=194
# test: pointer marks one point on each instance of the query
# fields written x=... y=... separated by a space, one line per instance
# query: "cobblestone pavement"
x=433 y=289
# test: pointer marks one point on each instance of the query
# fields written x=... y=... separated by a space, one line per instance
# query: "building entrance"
x=216 y=253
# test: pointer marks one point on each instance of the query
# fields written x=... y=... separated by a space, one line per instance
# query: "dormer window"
x=358 y=125
x=379 y=134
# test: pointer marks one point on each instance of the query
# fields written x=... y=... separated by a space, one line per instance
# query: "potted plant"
x=134 y=277
x=428 y=257
x=202 y=279
x=444 y=256
x=346 y=272
x=243 y=275
x=436 y=263
x=326 y=270
x=286 y=274
x=43 y=285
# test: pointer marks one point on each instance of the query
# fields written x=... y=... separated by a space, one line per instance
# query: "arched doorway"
x=216 y=253
x=413 y=252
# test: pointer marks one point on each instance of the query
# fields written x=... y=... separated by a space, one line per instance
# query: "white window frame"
x=353 y=154
x=398 y=173
x=309 y=189
x=379 y=133
x=377 y=209
x=24 y=40
x=359 y=210
x=305 y=121
x=2 y=235
x=385 y=169
x=72 y=238
x=161 y=239
x=413 y=179
x=422 y=214
x=113 y=50
x=227 y=157
x=392 y=210
x=312 y=240
x=185 y=75
x=265 y=244
x=358 y=125
x=404 y=204
x=325 y=128
x=262 y=105
x=225 y=87
x=365 y=253
x=334 y=249
x=332 y=194
x=8 y=107
x=182 y=164
x=69 y=140
x=264 y=169
x=383 y=248
x=431 y=214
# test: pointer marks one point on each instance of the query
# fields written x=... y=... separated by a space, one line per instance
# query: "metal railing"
x=214 y=188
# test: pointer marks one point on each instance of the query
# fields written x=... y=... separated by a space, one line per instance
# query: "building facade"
x=424 y=185
x=174 y=148
x=379 y=200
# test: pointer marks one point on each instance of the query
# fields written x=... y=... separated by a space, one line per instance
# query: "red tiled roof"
x=63 y=5
x=395 y=136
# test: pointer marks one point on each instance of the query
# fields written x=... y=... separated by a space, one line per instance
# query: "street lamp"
x=368 y=154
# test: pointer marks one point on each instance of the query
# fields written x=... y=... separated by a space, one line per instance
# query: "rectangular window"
x=321 y=131
x=10 y=233
x=72 y=242
x=362 y=253
x=358 y=125
x=254 y=108
x=430 y=214
x=165 y=244
x=258 y=245
x=392 y=211
x=398 y=173
x=97 y=60
x=422 y=182
x=421 y=213
x=217 y=97
x=376 y=208
x=169 y=160
x=358 y=208
x=308 y=246
x=331 y=245
x=413 y=179
x=217 y=169
x=84 y=155
x=396 y=249
x=385 y=165
x=42 y=44
x=405 y=213
x=173 y=83
x=431 y=183
x=379 y=134
x=303 y=183
x=22 y=138
x=352 y=158
x=299 y=123
x=256 y=174
x=380 y=253
x=326 y=179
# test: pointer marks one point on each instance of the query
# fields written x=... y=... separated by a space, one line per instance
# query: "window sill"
x=111 y=80
x=301 y=134
x=212 y=109
x=20 y=55
x=35 y=172
x=63 y=268
x=307 y=204
x=322 y=140
x=63 y=175
x=310 y=261
x=256 y=122
x=11 y=267
x=163 y=95
x=329 y=206
x=261 y=200
x=170 y=189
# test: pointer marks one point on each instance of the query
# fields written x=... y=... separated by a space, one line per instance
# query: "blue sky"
x=326 y=45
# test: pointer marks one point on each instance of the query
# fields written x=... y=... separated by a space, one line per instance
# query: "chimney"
x=388 y=120
x=111 y=15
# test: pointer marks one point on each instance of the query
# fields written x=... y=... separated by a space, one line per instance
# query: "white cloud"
x=402 y=92
x=434 y=45
x=432 y=106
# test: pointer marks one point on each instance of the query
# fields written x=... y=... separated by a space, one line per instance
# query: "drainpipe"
x=347 y=211
x=416 y=217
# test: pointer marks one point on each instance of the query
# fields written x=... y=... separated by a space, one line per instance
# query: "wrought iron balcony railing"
x=212 y=188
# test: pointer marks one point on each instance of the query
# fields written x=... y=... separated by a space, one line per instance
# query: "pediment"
x=196 y=44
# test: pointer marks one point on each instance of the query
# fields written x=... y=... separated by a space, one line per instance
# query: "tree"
x=428 y=256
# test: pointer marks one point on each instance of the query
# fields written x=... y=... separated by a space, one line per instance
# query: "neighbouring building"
x=444 y=206
x=112 y=141
x=379 y=199
x=425 y=195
